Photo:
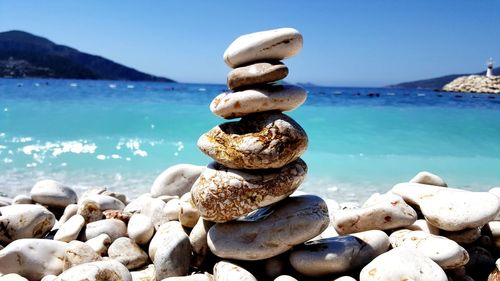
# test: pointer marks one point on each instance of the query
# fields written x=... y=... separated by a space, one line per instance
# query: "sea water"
x=122 y=134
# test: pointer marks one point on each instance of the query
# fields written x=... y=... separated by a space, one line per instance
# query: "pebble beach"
x=242 y=217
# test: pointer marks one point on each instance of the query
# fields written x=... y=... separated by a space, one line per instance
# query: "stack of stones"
x=257 y=159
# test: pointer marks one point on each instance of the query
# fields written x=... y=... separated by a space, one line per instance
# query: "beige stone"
x=172 y=257
x=109 y=270
x=70 y=229
x=387 y=211
x=198 y=239
x=226 y=271
x=77 y=253
x=223 y=194
x=53 y=194
x=445 y=252
x=275 y=97
x=290 y=222
x=127 y=252
x=33 y=258
x=275 y=44
x=256 y=74
x=100 y=244
x=402 y=264
x=140 y=229
x=24 y=221
x=112 y=227
x=425 y=177
x=176 y=180
x=258 y=141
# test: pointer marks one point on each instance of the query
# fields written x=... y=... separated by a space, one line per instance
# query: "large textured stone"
x=387 y=211
x=445 y=252
x=256 y=74
x=292 y=221
x=176 y=180
x=223 y=194
x=174 y=255
x=276 y=44
x=338 y=254
x=24 y=221
x=126 y=251
x=109 y=270
x=241 y=103
x=53 y=194
x=33 y=258
x=226 y=271
x=448 y=208
x=402 y=264
x=258 y=141
x=112 y=227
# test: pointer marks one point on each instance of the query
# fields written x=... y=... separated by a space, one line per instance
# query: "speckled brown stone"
x=223 y=194
x=258 y=141
x=255 y=74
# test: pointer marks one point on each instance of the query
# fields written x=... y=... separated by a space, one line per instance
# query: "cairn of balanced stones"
x=257 y=159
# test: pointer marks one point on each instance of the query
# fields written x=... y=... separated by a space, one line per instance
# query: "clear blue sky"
x=346 y=43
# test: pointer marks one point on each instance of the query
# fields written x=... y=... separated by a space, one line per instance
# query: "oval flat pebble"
x=273 y=97
x=259 y=141
x=402 y=264
x=33 y=258
x=338 y=254
x=388 y=211
x=112 y=227
x=428 y=178
x=24 y=221
x=290 y=222
x=126 y=251
x=96 y=271
x=275 y=44
x=226 y=271
x=69 y=211
x=445 y=252
x=223 y=194
x=70 y=229
x=176 y=180
x=140 y=229
x=105 y=202
x=451 y=209
x=53 y=194
x=256 y=74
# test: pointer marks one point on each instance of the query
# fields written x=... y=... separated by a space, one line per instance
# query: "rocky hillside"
x=474 y=84
x=24 y=55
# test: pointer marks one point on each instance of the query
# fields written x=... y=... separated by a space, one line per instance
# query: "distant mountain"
x=437 y=83
x=24 y=55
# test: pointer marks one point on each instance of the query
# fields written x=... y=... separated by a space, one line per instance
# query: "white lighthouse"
x=489 y=70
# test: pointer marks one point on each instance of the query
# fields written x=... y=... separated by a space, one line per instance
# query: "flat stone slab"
x=256 y=74
x=223 y=194
x=276 y=97
x=290 y=222
x=276 y=44
x=258 y=141
x=449 y=208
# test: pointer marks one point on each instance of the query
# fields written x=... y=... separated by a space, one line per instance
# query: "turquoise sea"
x=122 y=134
